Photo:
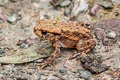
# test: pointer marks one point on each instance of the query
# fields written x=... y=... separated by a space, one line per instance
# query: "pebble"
x=107 y=77
x=116 y=2
x=94 y=78
x=22 y=46
x=111 y=34
x=67 y=12
x=95 y=10
x=42 y=5
x=93 y=64
x=79 y=6
x=1 y=21
x=4 y=72
x=65 y=3
x=106 y=4
x=39 y=60
x=62 y=70
x=2 y=51
x=119 y=77
x=2 y=2
x=43 y=77
x=26 y=30
x=35 y=1
x=21 y=78
x=85 y=74
x=37 y=76
x=13 y=0
x=1 y=31
x=118 y=43
x=98 y=46
x=99 y=33
x=43 y=0
x=72 y=65
x=18 y=68
x=1 y=76
x=21 y=75
x=51 y=77
x=12 y=19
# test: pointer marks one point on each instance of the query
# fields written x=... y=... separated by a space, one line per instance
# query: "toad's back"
x=70 y=27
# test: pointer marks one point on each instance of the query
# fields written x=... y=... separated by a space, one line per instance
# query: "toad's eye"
x=87 y=24
x=44 y=33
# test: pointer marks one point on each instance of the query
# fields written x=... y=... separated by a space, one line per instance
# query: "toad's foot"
x=52 y=58
x=74 y=56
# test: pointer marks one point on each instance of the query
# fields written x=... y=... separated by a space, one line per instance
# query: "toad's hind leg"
x=53 y=57
x=83 y=47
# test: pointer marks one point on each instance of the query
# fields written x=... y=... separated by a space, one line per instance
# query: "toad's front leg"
x=53 y=57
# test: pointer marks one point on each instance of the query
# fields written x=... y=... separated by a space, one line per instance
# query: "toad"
x=69 y=34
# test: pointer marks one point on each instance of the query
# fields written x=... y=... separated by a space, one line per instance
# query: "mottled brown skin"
x=65 y=34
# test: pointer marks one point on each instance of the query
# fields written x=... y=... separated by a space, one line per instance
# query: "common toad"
x=65 y=34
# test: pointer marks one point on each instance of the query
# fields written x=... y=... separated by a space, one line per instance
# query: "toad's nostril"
x=35 y=29
x=88 y=43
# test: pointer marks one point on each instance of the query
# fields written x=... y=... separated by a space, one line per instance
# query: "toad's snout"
x=37 y=32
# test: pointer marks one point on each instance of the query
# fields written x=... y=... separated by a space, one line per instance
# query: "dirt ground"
x=17 y=21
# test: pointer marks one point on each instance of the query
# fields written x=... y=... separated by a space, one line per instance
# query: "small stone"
x=1 y=31
x=62 y=70
x=119 y=77
x=72 y=65
x=118 y=43
x=21 y=75
x=26 y=30
x=67 y=12
x=1 y=21
x=107 y=77
x=116 y=2
x=12 y=19
x=111 y=34
x=1 y=76
x=18 y=68
x=4 y=72
x=39 y=60
x=55 y=2
x=22 y=46
x=2 y=2
x=79 y=6
x=43 y=0
x=37 y=76
x=43 y=77
x=110 y=24
x=95 y=10
x=85 y=74
x=51 y=77
x=94 y=78
x=21 y=78
x=2 y=51
x=98 y=46
x=106 y=4
x=99 y=33
x=13 y=0
x=65 y=3
x=93 y=64
x=35 y=1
